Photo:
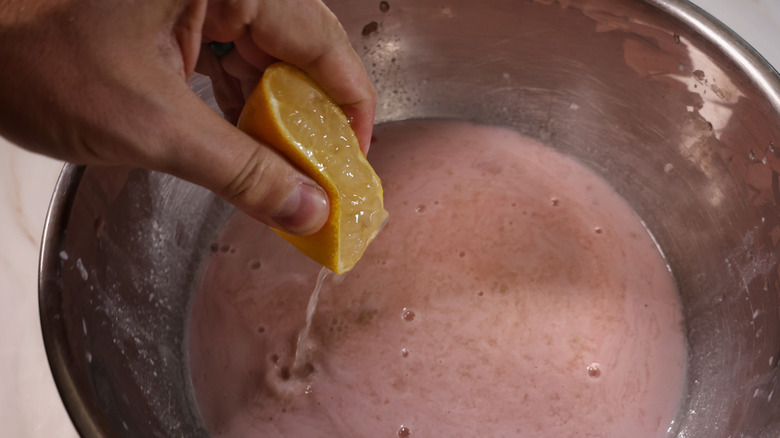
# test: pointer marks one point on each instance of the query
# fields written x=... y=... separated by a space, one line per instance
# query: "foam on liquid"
x=512 y=294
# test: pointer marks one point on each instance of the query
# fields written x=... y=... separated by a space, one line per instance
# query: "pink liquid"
x=512 y=294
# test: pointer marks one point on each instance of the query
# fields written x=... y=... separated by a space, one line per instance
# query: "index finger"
x=305 y=33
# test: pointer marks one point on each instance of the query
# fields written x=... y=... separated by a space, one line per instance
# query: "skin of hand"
x=104 y=83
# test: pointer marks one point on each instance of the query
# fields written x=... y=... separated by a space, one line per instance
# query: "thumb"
x=205 y=149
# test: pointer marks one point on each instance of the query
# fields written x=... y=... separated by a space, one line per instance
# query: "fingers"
x=203 y=148
x=227 y=85
x=107 y=87
x=342 y=76
x=188 y=32
x=212 y=153
x=304 y=33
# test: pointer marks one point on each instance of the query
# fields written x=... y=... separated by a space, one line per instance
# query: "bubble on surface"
x=594 y=370
x=337 y=326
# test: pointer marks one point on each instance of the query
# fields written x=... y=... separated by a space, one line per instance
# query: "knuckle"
x=247 y=181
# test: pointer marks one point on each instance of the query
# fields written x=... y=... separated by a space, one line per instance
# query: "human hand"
x=105 y=83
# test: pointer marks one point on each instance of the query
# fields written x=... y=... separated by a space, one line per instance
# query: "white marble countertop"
x=29 y=403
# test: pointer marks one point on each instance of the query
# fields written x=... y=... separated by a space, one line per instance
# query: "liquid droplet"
x=594 y=370
x=404 y=432
x=407 y=314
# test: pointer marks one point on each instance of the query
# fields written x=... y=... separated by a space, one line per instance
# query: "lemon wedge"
x=290 y=112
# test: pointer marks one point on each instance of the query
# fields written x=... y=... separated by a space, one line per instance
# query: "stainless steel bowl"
x=668 y=105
